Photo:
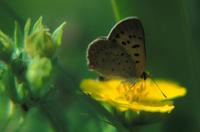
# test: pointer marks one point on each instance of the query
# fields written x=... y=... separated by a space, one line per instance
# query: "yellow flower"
x=145 y=95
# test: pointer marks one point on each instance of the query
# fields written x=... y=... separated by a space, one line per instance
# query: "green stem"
x=115 y=10
x=55 y=113
x=134 y=129
x=191 y=50
x=105 y=113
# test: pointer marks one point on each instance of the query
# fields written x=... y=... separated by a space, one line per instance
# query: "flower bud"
x=40 y=44
x=38 y=75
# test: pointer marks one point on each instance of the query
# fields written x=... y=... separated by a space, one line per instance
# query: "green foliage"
x=26 y=68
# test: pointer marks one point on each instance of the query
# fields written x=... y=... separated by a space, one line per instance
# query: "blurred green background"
x=172 y=43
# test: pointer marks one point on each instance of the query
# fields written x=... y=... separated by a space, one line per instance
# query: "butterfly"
x=120 y=55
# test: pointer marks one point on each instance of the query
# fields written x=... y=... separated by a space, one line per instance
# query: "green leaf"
x=5 y=40
x=27 y=28
x=9 y=82
x=38 y=25
x=2 y=68
x=16 y=34
x=57 y=34
x=6 y=108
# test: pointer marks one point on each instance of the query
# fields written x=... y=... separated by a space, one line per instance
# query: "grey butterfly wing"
x=129 y=34
x=109 y=59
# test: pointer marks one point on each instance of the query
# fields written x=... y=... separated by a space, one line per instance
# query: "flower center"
x=133 y=91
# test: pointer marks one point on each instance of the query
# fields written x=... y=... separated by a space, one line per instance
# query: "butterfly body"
x=122 y=53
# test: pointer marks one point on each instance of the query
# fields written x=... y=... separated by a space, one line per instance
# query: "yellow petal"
x=169 y=88
x=145 y=95
x=100 y=90
x=153 y=106
x=162 y=107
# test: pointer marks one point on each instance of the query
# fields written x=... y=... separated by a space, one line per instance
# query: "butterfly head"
x=145 y=75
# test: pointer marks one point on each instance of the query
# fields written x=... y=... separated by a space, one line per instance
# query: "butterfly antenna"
x=159 y=88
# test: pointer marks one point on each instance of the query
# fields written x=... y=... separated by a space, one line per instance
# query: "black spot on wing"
x=137 y=62
x=136 y=46
x=136 y=54
x=139 y=37
x=124 y=43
